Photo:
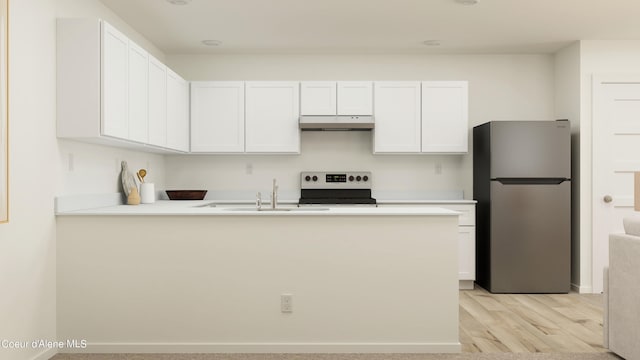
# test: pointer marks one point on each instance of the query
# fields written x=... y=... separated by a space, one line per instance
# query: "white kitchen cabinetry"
x=466 y=236
x=271 y=118
x=138 y=94
x=217 y=117
x=336 y=98
x=445 y=120
x=318 y=98
x=110 y=91
x=177 y=112
x=355 y=98
x=439 y=124
x=157 y=102
x=397 y=119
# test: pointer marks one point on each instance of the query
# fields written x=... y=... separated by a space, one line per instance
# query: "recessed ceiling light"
x=179 y=2
x=212 y=42
x=431 y=42
x=468 y=2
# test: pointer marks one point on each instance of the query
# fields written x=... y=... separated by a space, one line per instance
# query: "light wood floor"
x=548 y=323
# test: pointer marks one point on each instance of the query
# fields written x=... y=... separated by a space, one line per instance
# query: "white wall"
x=567 y=92
x=27 y=243
x=501 y=87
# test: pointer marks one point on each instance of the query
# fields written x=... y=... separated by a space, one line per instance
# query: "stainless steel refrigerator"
x=522 y=182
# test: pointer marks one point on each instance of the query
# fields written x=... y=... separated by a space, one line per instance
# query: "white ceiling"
x=492 y=26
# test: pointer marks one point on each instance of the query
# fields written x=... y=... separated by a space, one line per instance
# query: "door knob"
x=608 y=198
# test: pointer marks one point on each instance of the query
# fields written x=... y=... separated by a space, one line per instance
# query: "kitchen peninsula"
x=188 y=277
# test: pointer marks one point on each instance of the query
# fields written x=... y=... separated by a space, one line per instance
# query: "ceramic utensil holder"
x=147 y=193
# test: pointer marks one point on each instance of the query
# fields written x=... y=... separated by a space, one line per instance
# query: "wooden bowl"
x=186 y=194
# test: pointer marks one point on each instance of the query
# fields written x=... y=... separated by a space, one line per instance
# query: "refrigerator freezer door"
x=530 y=238
x=530 y=149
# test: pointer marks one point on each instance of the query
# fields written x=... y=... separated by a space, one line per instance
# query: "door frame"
x=602 y=162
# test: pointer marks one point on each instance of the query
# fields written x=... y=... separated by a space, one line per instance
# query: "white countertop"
x=226 y=208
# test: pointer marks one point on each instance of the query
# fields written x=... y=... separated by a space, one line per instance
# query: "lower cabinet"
x=466 y=256
x=466 y=238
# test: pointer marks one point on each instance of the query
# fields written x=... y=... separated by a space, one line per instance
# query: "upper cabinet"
x=397 y=121
x=138 y=94
x=110 y=91
x=115 y=81
x=355 y=98
x=428 y=117
x=336 y=98
x=157 y=102
x=217 y=117
x=445 y=118
x=177 y=112
x=271 y=118
x=318 y=98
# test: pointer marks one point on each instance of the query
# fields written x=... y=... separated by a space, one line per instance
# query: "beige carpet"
x=463 y=356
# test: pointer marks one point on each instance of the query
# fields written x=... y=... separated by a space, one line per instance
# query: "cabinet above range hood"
x=335 y=123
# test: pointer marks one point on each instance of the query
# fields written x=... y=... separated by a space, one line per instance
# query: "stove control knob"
x=351 y=178
x=307 y=178
x=358 y=178
x=315 y=178
x=365 y=178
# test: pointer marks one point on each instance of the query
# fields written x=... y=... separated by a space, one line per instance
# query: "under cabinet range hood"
x=336 y=123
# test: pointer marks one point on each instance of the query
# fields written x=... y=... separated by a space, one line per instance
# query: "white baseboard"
x=46 y=355
x=465 y=284
x=186 y=348
x=581 y=289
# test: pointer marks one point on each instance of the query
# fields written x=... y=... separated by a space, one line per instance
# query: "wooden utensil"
x=141 y=174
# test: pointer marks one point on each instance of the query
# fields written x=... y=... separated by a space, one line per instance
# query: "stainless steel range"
x=336 y=187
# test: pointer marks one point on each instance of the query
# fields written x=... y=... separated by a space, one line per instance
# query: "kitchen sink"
x=276 y=209
x=206 y=205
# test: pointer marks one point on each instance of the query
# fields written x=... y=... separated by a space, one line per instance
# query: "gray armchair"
x=622 y=292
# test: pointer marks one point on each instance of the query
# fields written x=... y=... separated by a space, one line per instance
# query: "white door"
x=355 y=98
x=157 y=102
x=318 y=98
x=115 y=82
x=397 y=121
x=217 y=116
x=138 y=93
x=616 y=145
x=271 y=119
x=177 y=112
x=445 y=120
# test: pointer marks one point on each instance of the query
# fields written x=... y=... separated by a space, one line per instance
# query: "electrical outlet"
x=438 y=168
x=286 y=303
x=249 y=168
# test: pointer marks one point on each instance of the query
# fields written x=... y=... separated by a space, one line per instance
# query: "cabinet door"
x=355 y=98
x=217 y=116
x=271 y=120
x=138 y=93
x=318 y=98
x=157 y=103
x=177 y=112
x=445 y=120
x=115 y=83
x=467 y=252
x=397 y=128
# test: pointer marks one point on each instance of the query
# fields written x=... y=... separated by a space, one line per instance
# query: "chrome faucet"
x=258 y=200
x=274 y=195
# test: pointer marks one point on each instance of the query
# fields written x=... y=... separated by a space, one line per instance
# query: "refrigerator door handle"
x=528 y=181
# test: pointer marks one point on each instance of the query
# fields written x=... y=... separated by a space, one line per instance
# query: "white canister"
x=147 y=193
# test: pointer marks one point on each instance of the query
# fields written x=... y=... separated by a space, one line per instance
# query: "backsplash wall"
x=244 y=175
x=501 y=87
